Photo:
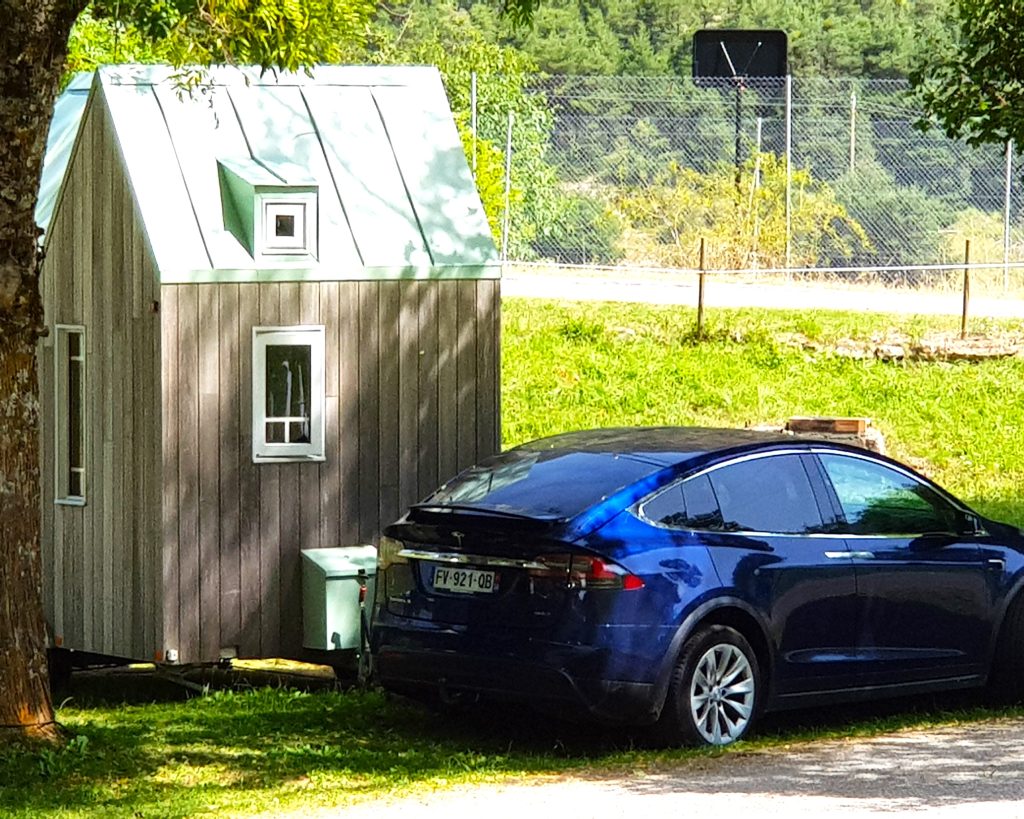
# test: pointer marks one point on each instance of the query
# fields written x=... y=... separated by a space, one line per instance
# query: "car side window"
x=771 y=494
x=878 y=500
x=690 y=504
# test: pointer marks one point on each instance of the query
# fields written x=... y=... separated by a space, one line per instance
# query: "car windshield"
x=555 y=485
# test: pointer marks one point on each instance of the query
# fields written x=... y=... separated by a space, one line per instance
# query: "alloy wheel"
x=722 y=694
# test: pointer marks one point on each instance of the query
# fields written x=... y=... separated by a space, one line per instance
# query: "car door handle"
x=850 y=555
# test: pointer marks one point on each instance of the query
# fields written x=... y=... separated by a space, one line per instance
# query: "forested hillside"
x=858 y=38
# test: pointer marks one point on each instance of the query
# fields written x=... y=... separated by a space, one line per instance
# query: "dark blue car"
x=694 y=578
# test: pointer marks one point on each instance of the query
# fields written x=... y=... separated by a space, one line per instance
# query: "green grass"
x=579 y=365
x=143 y=749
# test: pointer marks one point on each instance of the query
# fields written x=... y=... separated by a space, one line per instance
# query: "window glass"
x=70 y=413
x=288 y=393
x=877 y=500
x=687 y=505
x=288 y=399
x=771 y=494
x=667 y=507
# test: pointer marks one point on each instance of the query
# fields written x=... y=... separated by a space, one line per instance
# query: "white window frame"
x=62 y=416
x=264 y=451
x=302 y=207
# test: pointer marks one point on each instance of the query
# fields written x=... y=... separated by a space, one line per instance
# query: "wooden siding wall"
x=101 y=560
x=412 y=397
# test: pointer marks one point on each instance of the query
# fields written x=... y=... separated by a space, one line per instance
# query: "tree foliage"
x=745 y=223
x=975 y=88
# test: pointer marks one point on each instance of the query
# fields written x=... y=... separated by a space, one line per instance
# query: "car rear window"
x=552 y=485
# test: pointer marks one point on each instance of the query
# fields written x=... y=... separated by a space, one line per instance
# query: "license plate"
x=465 y=581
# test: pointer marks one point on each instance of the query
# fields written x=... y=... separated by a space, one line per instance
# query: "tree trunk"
x=33 y=45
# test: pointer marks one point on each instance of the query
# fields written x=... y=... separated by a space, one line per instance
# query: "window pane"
x=275 y=432
x=770 y=494
x=666 y=507
x=877 y=500
x=687 y=505
x=288 y=382
x=76 y=459
x=701 y=505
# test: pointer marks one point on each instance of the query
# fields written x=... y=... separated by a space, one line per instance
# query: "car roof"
x=659 y=446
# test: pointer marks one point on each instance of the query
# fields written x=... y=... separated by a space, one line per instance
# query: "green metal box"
x=331 y=580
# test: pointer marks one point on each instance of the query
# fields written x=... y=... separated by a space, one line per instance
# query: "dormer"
x=271 y=209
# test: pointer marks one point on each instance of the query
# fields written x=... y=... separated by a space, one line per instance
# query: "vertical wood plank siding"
x=183 y=542
x=103 y=560
x=388 y=387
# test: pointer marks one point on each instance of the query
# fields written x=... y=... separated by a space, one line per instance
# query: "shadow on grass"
x=146 y=747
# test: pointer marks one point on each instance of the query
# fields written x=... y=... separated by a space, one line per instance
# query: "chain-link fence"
x=824 y=177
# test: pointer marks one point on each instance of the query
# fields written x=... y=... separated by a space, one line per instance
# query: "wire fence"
x=822 y=178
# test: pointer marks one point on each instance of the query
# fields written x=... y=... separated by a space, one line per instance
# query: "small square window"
x=289 y=226
x=284 y=225
x=288 y=394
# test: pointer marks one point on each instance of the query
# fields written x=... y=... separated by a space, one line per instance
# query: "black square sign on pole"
x=729 y=56
x=727 y=53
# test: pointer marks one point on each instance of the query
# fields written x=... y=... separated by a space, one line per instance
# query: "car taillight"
x=585 y=572
x=387 y=553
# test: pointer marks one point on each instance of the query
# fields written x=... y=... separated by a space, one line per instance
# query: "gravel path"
x=967 y=771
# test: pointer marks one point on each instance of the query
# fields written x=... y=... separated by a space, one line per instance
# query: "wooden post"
x=967 y=287
x=700 y=293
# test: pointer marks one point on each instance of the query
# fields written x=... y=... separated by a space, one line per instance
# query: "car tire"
x=714 y=693
x=1006 y=680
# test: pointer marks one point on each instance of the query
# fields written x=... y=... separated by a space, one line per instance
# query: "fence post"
x=472 y=115
x=967 y=287
x=789 y=171
x=508 y=189
x=1006 y=215
x=700 y=293
x=853 y=130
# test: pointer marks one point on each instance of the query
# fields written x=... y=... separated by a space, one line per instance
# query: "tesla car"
x=693 y=579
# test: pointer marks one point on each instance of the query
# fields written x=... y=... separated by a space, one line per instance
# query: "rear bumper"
x=535 y=671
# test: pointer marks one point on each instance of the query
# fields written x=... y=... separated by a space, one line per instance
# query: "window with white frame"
x=69 y=413
x=288 y=225
x=288 y=393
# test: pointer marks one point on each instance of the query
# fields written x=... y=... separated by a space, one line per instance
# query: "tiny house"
x=273 y=312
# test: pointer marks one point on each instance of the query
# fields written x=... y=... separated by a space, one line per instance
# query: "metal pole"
x=789 y=171
x=700 y=292
x=853 y=130
x=967 y=287
x=738 y=122
x=472 y=115
x=1006 y=215
x=508 y=189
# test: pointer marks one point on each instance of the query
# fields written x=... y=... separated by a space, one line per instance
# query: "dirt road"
x=967 y=771
x=727 y=293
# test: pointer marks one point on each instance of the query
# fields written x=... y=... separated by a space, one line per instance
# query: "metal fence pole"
x=1006 y=215
x=508 y=189
x=472 y=115
x=853 y=130
x=789 y=171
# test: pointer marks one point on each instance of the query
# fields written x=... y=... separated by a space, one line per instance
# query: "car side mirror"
x=969 y=524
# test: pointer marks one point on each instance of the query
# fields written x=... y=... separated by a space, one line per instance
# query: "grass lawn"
x=144 y=749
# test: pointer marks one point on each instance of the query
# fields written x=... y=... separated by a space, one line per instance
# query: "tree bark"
x=33 y=46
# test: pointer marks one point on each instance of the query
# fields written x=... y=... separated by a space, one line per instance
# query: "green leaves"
x=973 y=89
